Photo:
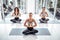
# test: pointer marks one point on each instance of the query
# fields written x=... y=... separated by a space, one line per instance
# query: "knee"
x=23 y=32
x=47 y=19
x=36 y=31
x=19 y=19
x=11 y=20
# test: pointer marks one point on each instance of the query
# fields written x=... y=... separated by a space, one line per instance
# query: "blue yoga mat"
x=18 y=31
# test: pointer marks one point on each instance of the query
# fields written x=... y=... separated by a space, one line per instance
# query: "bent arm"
x=35 y=24
x=46 y=14
x=25 y=23
x=13 y=14
x=41 y=14
x=19 y=14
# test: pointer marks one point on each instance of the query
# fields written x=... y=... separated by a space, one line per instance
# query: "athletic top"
x=43 y=14
x=30 y=24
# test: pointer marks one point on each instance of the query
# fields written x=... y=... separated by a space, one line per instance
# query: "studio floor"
x=53 y=29
x=6 y=26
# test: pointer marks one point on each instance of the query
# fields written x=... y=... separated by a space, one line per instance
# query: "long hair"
x=17 y=10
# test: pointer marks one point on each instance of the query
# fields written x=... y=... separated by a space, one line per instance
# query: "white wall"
x=30 y=6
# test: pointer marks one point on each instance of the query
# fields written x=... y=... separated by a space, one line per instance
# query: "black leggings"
x=15 y=20
x=30 y=31
x=43 y=20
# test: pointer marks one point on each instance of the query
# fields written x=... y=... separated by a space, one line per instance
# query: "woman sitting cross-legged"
x=43 y=16
x=30 y=27
x=16 y=14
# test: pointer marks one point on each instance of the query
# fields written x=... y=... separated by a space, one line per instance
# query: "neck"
x=30 y=17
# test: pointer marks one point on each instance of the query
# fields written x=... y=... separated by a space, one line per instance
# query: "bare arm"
x=40 y=14
x=19 y=14
x=35 y=24
x=46 y=14
x=13 y=14
x=25 y=23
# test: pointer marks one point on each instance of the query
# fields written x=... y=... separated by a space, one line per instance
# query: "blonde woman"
x=29 y=24
x=43 y=16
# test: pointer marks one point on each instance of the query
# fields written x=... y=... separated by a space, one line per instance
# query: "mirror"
x=49 y=5
x=9 y=5
x=57 y=15
x=52 y=7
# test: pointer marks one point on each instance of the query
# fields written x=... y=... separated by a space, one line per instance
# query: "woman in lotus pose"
x=29 y=24
x=43 y=16
x=16 y=14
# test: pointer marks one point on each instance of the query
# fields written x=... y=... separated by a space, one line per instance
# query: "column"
x=55 y=7
x=41 y=3
x=44 y=3
x=36 y=6
x=2 y=11
x=15 y=3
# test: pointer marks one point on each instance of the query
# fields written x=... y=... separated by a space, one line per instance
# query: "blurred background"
x=27 y=6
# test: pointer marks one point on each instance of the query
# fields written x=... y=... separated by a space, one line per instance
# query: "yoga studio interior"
x=13 y=15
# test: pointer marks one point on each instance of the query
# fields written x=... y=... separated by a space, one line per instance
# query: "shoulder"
x=41 y=12
x=27 y=19
x=46 y=12
x=33 y=19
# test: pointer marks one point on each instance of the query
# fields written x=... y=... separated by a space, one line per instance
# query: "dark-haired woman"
x=16 y=14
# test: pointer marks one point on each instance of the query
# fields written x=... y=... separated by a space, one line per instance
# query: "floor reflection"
x=30 y=37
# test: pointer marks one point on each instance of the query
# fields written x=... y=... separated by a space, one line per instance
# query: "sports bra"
x=30 y=23
x=43 y=14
